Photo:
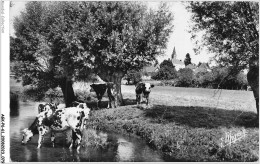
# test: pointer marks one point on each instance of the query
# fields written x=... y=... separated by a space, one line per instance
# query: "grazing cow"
x=143 y=90
x=61 y=120
x=28 y=133
x=103 y=88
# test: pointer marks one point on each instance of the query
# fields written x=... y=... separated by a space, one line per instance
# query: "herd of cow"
x=52 y=120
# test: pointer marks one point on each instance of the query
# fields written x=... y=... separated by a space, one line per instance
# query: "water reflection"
x=14 y=105
x=125 y=150
x=27 y=154
x=97 y=146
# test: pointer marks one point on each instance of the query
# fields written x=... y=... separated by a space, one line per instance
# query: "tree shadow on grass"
x=103 y=104
x=129 y=102
x=201 y=117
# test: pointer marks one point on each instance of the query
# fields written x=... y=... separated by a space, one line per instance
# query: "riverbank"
x=187 y=134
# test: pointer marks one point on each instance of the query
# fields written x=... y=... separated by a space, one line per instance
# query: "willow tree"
x=230 y=30
x=61 y=42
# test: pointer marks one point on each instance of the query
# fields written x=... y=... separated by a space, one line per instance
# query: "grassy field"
x=201 y=97
x=189 y=124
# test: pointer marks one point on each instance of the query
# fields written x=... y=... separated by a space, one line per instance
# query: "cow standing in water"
x=143 y=90
x=73 y=118
x=103 y=88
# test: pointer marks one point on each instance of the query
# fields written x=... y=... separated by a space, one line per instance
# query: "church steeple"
x=174 y=55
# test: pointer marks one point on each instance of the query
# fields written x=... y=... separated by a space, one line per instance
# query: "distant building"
x=202 y=67
x=176 y=62
x=192 y=67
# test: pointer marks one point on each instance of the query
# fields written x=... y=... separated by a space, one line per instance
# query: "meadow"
x=189 y=124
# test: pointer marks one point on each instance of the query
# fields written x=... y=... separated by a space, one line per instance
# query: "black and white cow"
x=143 y=90
x=61 y=120
x=103 y=88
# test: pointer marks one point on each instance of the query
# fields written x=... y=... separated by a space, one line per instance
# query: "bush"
x=84 y=95
x=54 y=95
x=168 y=83
x=185 y=77
x=204 y=79
x=32 y=93
x=167 y=71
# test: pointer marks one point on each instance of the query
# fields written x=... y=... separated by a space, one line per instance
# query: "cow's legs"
x=109 y=104
x=42 y=131
x=40 y=140
x=76 y=136
x=138 y=98
x=147 y=101
x=73 y=139
x=52 y=139
x=98 y=103
x=79 y=138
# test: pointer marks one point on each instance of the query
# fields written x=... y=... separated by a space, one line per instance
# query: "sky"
x=179 y=38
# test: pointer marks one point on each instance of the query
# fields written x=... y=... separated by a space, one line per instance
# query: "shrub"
x=185 y=77
x=84 y=95
x=167 y=71
x=54 y=94
x=168 y=83
x=33 y=93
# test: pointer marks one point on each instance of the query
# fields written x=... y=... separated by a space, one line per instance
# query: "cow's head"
x=40 y=108
x=147 y=87
x=27 y=135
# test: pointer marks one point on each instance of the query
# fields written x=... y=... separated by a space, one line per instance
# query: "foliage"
x=204 y=79
x=230 y=31
x=167 y=71
x=185 y=77
x=110 y=35
x=66 y=41
x=241 y=79
x=217 y=78
x=134 y=76
x=187 y=59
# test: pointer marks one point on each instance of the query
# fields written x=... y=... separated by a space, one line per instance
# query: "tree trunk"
x=253 y=79
x=116 y=78
x=119 y=98
x=68 y=92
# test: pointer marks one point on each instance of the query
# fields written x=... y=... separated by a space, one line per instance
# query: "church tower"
x=174 y=55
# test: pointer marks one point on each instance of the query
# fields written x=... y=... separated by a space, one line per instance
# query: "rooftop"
x=177 y=61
